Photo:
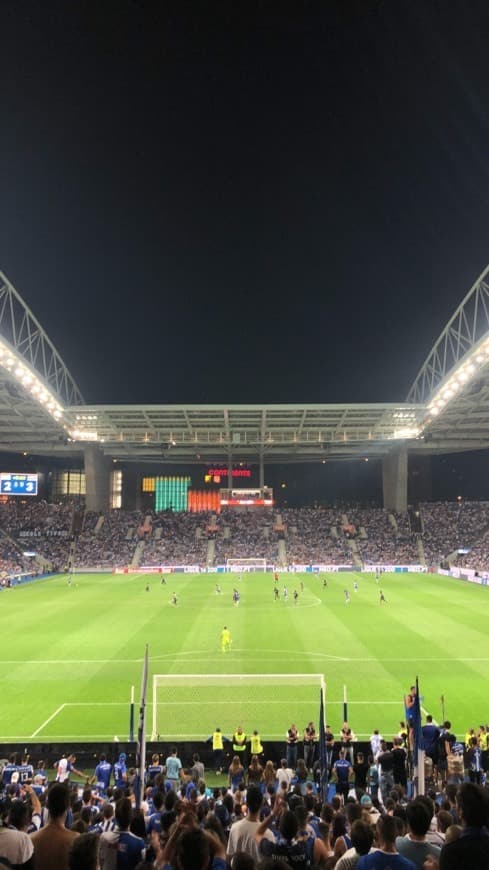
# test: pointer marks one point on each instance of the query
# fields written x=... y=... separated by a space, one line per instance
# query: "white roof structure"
x=42 y=410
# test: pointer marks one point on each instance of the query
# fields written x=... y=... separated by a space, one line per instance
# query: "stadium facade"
x=43 y=413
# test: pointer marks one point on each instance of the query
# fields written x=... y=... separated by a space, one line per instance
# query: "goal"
x=191 y=706
x=244 y=565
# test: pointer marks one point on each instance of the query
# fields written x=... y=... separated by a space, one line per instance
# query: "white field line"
x=199 y=654
x=41 y=727
x=268 y=702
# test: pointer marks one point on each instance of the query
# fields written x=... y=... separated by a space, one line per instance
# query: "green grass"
x=70 y=655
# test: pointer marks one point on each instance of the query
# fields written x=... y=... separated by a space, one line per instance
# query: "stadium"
x=244 y=436
x=338 y=598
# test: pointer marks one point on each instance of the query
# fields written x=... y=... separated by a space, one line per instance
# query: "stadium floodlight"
x=84 y=435
x=28 y=380
x=406 y=433
x=472 y=364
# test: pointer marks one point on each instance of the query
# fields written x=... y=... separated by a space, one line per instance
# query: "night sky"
x=240 y=202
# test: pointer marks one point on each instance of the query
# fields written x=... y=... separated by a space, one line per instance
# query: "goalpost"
x=191 y=706
x=243 y=565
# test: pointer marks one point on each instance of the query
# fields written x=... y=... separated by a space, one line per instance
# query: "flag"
x=323 y=763
x=141 y=744
x=417 y=730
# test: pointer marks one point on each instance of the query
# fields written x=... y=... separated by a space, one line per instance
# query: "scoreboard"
x=18 y=484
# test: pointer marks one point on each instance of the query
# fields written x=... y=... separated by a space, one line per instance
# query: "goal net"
x=192 y=706
x=244 y=565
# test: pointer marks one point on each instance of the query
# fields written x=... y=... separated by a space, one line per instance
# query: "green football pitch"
x=72 y=653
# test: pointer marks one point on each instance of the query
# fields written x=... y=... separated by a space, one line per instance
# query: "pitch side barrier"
x=10 y=580
x=467 y=574
x=394 y=569
x=226 y=569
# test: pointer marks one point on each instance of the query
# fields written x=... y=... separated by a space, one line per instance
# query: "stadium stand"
x=335 y=536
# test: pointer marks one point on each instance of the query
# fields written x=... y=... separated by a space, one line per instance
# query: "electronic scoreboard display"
x=18 y=484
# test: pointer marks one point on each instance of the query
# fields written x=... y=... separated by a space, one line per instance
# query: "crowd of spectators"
x=448 y=526
x=246 y=535
x=181 y=541
x=263 y=814
x=310 y=535
x=108 y=540
x=388 y=537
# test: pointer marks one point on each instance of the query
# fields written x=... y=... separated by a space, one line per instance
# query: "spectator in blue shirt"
x=342 y=773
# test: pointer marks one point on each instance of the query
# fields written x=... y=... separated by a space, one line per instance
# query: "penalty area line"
x=53 y=715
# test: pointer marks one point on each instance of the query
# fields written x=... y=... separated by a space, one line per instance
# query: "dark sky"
x=242 y=202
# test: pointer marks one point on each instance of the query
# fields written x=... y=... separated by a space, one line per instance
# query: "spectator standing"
x=373 y=778
x=375 y=743
x=342 y=773
x=399 y=758
x=236 y=773
x=386 y=856
x=65 y=766
x=472 y=847
x=431 y=735
x=255 y=772
x=329 y=746
x=291 y=741
x=120 y=771
x=53 y=842
x=102 y=773
x=347 y=740
x=218 y=749
x=360 y=769
x=284 y=774
x=240 y=740
x=121 y=848
x=362 y=837
x=256 y=747
x=83 y=853
x=385 y=761
x=197 y=771
x=15 y=845
x=242 y=833
x=414 y=845
x=154 y=768
x=474 y=761
x=173 y=768
x=309 y=738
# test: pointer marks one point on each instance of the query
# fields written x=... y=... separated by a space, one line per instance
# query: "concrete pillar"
x=262 y=471
x=394 y=480
x=230 y=472
x=97 y=479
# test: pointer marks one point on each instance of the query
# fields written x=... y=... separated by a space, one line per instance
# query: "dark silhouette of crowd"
x=257 y=814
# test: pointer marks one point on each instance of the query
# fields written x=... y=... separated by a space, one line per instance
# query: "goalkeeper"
x=226 y=640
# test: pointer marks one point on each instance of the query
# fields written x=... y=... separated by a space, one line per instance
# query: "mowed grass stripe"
x=85 y=644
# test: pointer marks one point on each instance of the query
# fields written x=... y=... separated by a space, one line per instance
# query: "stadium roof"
x=42 y=410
